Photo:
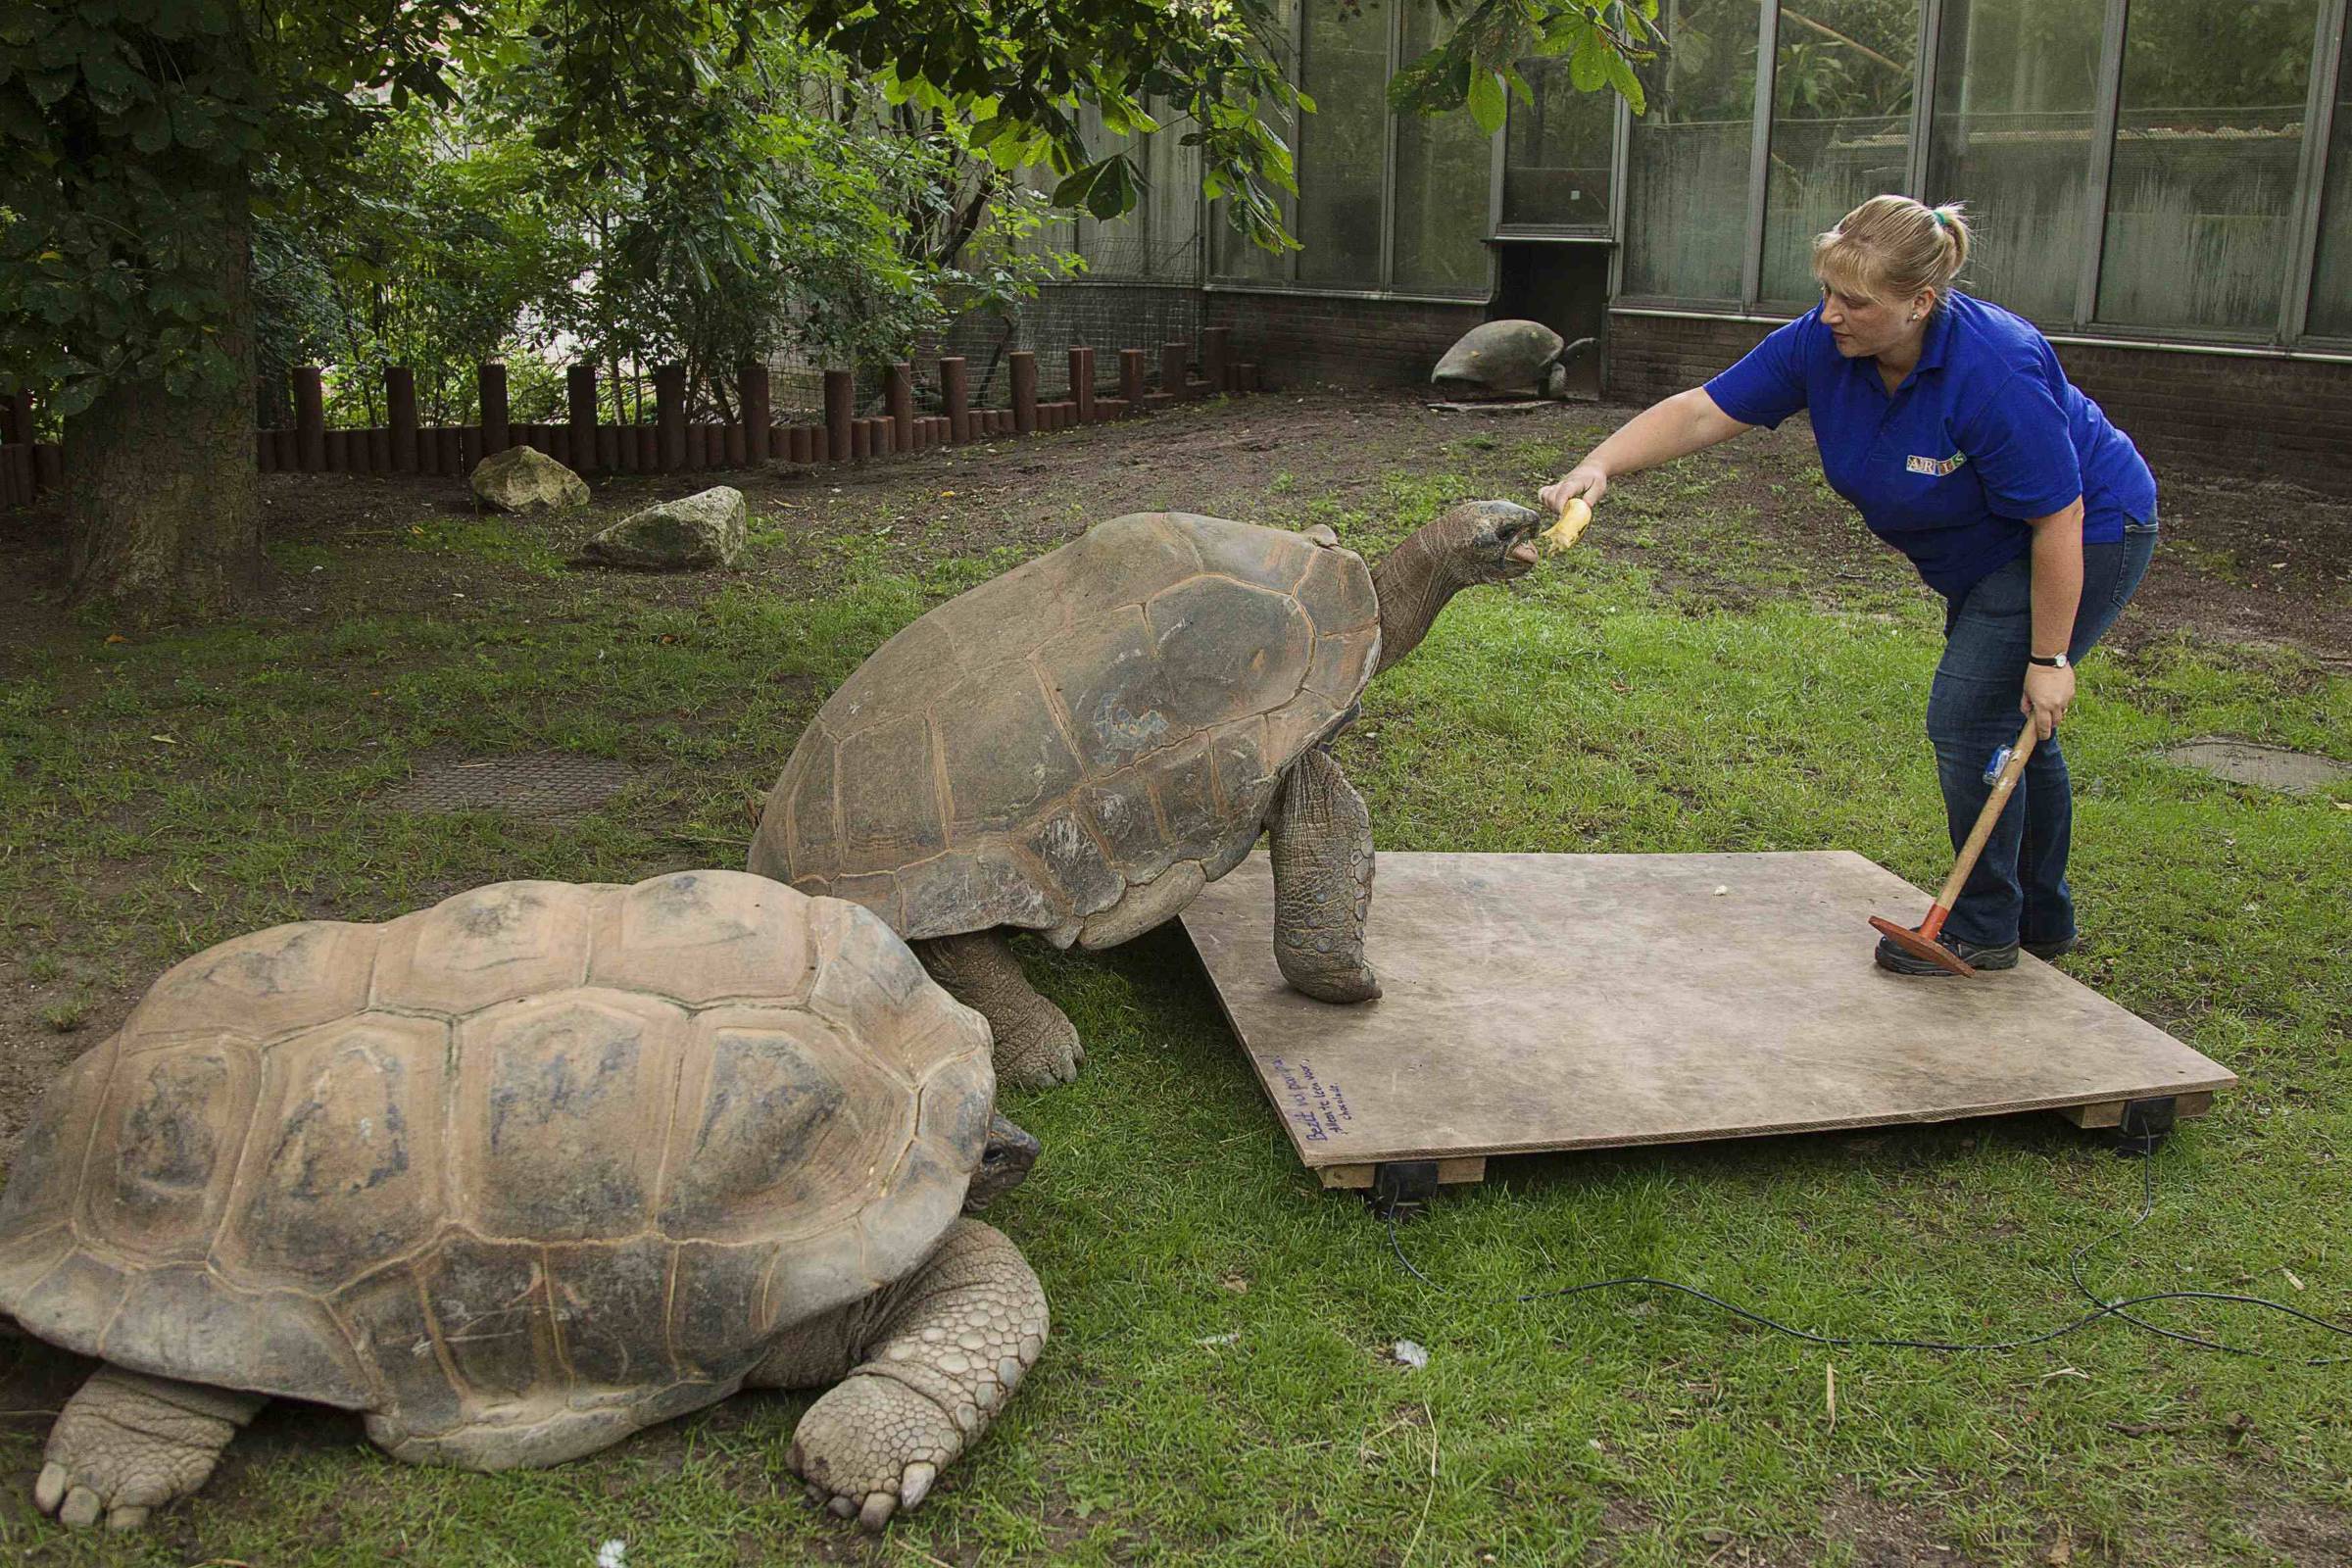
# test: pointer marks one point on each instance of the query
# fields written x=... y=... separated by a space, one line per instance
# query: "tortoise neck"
x=1413 y=585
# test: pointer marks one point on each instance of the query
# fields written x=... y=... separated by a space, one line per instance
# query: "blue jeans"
x=2018 y=890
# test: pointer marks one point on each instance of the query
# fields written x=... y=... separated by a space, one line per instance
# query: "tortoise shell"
x=1077 y=746
x=540 y=1148
x=1501 y=357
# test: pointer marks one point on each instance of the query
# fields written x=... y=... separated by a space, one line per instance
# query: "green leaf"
x=1488 y=101
x=1589 y=67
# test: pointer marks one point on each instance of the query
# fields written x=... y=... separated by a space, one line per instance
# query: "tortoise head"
x=1004 y=1163
x=1483 y=541
x=1475 y=541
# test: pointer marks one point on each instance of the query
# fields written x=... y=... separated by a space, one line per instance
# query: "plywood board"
x=1552 y=1001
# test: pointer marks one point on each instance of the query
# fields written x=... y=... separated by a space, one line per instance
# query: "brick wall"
x=1299 y=340
x=2275 y=418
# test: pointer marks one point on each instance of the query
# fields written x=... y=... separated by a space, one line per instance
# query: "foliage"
x=116 y=110
x=1478 y=63
x=132 y=129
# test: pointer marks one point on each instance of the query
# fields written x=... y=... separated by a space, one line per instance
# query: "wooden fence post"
x=1130 y=379
x=759 y=413
x=955 y=391
x=841 y=413
x=495 y=434
x=1216 y=357
x=900 y=379
x=1172 y=357
x=669 y=415
x=309 y=419
x=400 y=405
x=1024 y=392
x=1082 y=383
x=579 y=391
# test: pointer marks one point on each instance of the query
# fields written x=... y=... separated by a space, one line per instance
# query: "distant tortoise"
x=518 y=1175
x=1509 y=358
x=1078 y=746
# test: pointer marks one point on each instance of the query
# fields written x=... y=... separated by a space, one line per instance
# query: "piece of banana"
x=1574 y=517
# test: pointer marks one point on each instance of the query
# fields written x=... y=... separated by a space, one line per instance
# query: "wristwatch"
x=2048 y=661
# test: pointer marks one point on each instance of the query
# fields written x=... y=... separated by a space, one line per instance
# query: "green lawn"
x=1219 y=1389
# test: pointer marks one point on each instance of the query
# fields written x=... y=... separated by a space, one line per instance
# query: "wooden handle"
x=2011 y=771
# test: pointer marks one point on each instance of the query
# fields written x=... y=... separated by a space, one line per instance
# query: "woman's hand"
x=1583 y=480
x=2048 y=694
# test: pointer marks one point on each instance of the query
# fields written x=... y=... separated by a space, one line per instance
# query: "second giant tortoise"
x=1079 y=746
x=519 y=1174
x=1509 y=358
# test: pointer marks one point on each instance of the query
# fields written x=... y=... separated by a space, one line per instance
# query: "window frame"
x=2291 y=337
x=1386 y=287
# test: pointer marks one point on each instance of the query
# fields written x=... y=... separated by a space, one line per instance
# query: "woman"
x=1949 y=425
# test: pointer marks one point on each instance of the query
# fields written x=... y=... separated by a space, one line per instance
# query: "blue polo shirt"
x=1985 y=433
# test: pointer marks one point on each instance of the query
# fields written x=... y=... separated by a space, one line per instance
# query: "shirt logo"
x=1938 y=466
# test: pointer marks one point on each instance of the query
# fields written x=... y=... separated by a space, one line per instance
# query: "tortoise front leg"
x=1322 y=882
x=952 y=1343
x=128 y=1443
x=1036 y=1044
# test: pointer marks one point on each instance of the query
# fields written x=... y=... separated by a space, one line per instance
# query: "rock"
x=520 y=479
x=701 y=531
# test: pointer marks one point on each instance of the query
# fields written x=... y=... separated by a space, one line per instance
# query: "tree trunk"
x=164 y=518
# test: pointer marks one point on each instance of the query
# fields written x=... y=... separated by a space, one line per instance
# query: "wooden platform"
x=1554 y=1001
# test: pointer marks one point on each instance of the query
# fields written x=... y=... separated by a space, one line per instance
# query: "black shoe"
x=1893 y=958
x=2050 y=951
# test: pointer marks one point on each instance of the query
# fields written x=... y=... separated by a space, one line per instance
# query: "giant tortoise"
x=1509 y=358
x=1078 y=746
x=519 y=1174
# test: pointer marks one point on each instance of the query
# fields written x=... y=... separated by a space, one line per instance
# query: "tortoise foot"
x=1036 y=1044
x=1357 y=984
x=126 y=1444
x=1037 y=1047
x=871 y=1448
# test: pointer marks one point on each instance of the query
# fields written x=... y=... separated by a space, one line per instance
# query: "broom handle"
x=2011 y=771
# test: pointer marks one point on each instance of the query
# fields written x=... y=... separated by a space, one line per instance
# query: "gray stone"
x=695 y=533
x=2272 y=767
x=522 y=481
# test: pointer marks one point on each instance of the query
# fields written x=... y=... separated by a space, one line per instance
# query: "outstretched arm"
x=1683 y=424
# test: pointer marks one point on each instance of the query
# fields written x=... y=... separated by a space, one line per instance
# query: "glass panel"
x=1345 y=143
x=1687 y=174
x=1445 y=168
x=1843 y=75
x=1171 y=203
x=2200 y=205
x=2015 y=91
x=2332 y=284
x=1157 y=239
x=1557 y=150
x=1231 y=257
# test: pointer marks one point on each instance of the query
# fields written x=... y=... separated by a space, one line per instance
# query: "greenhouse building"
x=2163 y=187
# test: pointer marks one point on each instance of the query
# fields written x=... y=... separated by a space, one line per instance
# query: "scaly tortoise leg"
x=126 y=1442
x=952 y=1343
x=1322 y=882
x=1036 y=1044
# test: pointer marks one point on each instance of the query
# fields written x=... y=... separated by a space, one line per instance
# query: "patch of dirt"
x=2243 y=559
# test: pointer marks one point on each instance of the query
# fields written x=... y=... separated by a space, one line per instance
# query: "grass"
x=1220 y=1389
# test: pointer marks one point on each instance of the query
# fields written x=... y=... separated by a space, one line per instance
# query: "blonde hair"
x=1891 y=247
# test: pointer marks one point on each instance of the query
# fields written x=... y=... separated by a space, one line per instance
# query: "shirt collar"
x=1937 y=336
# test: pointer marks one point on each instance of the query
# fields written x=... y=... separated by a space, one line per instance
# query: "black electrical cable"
x=2117 y=1308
